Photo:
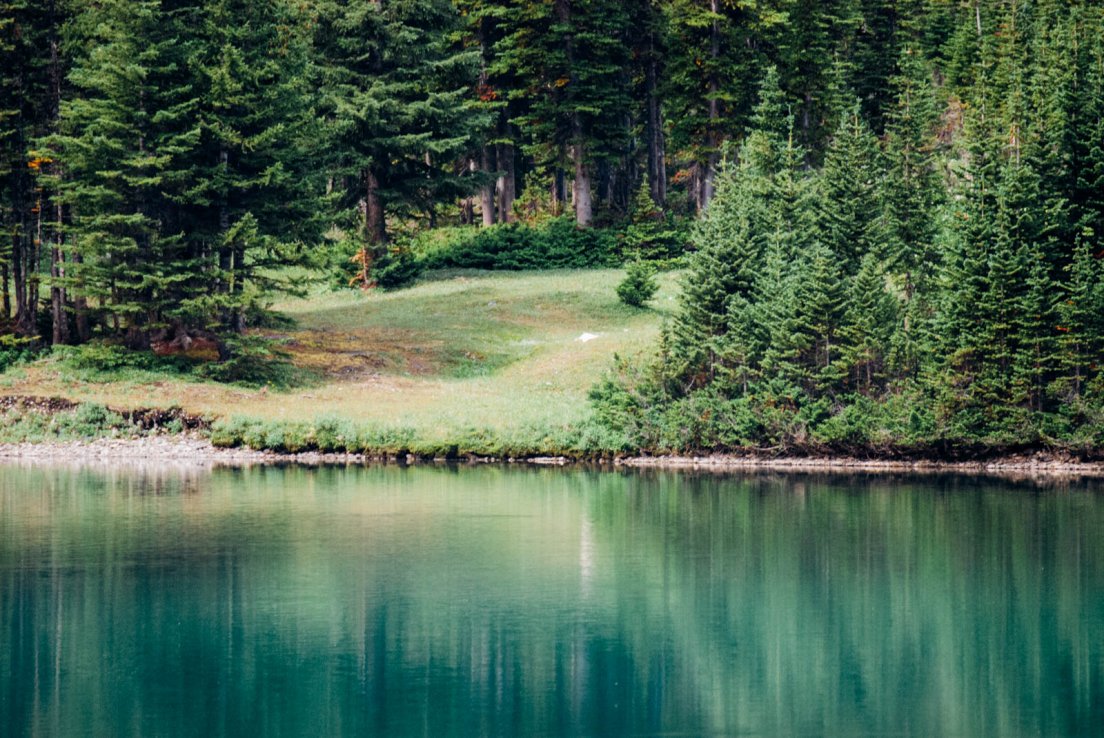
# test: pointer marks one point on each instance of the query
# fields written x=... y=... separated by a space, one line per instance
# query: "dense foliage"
x=940 y=282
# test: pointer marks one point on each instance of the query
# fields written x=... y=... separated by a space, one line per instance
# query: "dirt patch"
x=353 y=356
x=146 y=418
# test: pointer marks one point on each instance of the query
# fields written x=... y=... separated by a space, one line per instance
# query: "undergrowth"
x=82 y=422
x=339 y=435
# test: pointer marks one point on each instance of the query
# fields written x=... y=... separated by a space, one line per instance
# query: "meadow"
x=459 y=353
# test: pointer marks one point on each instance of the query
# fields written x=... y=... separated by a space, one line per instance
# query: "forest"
x=887 y=215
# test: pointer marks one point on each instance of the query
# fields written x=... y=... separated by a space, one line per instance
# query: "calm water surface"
x=493 y=601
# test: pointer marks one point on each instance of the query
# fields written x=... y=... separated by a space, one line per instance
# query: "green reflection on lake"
x=492 y=601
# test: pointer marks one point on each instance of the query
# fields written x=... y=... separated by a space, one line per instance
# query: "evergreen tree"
x=813 y=347
x=712 y=71
x=1081 y=327
x=253 y=195
x=650 y=234
x=726 y=260
x=851 y=219
x=397 y=91
x=31 y=71
x=870 y=319
x=574 y=56
x=124 y=143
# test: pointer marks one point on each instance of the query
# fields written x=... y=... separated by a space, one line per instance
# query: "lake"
x=535 y=601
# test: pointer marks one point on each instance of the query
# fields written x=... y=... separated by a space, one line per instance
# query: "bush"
x=396 y=268
x=639 y=284
x=553 y=244
x=254 y=361
x=15 y=350
x=99 y=357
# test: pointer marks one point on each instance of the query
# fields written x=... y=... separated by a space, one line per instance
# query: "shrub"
x=396 y=268
x=15 y=350
x=99 y=357
x=552 y=244
x=254 y=361
x=639 y=284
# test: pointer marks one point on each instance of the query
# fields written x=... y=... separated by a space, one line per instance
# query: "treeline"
x=161 y=159
x=937 y=277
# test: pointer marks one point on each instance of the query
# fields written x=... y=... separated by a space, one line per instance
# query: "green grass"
x=476 y=356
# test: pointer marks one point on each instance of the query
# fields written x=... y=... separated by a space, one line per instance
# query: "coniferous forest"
x=889 y=213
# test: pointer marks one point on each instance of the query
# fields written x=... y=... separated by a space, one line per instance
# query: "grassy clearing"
x=460 y=354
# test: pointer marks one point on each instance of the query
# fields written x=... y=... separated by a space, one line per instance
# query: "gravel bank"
x=160 y=448
x=193 y=451
x=1019 y=466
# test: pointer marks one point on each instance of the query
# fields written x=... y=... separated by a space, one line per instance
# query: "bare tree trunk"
x=467 y=204
x=24 y=311
x=225 y=250
x=657 y=165
x=80 y=307
x=375 y=221
x=487 y=193
x=59 y=318
x=507 y=182
x=5 y=296
x=558 y=192
x=584 y=208
x=714 y=111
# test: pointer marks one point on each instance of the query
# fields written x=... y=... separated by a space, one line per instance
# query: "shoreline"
x=195 y=451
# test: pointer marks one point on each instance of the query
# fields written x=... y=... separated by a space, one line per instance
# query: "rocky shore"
x=193 y=450
x=1041 y=464
x=161 y=448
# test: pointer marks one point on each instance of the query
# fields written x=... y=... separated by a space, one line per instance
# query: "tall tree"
x=124 y=143
x=399 y=105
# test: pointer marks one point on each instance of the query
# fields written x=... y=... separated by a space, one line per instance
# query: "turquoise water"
x=500 y=601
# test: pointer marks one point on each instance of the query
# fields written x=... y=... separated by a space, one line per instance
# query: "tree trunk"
x=507 y=182
x=558 y=188
x=375 y=221
x=584 y=209
x=58 y=315
x=80 y=307
x=5 y=296
x=225 y=250
x=487 y=192
x=59 y=318
x=714 y=136
x=21 y=267
x=657 y=165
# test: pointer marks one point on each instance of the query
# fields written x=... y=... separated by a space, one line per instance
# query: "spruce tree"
x=851 y=220
x=813 y=346
x=399 y=108
x=253 y=196
x=870 y=320
x=726 y=260
x=574 y=56
x=124 y=143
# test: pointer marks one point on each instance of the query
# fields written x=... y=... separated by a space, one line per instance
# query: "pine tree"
x=399 y=106
x=1081 y=326
x=727 y=258
x=813 y=346
x=852 y=223
x=650 y=233
x=574 y=56
x=912 y=194
x=123 y=143
x=253 y=195
x=871 y=316
x=712 y=69
x=31 y=71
